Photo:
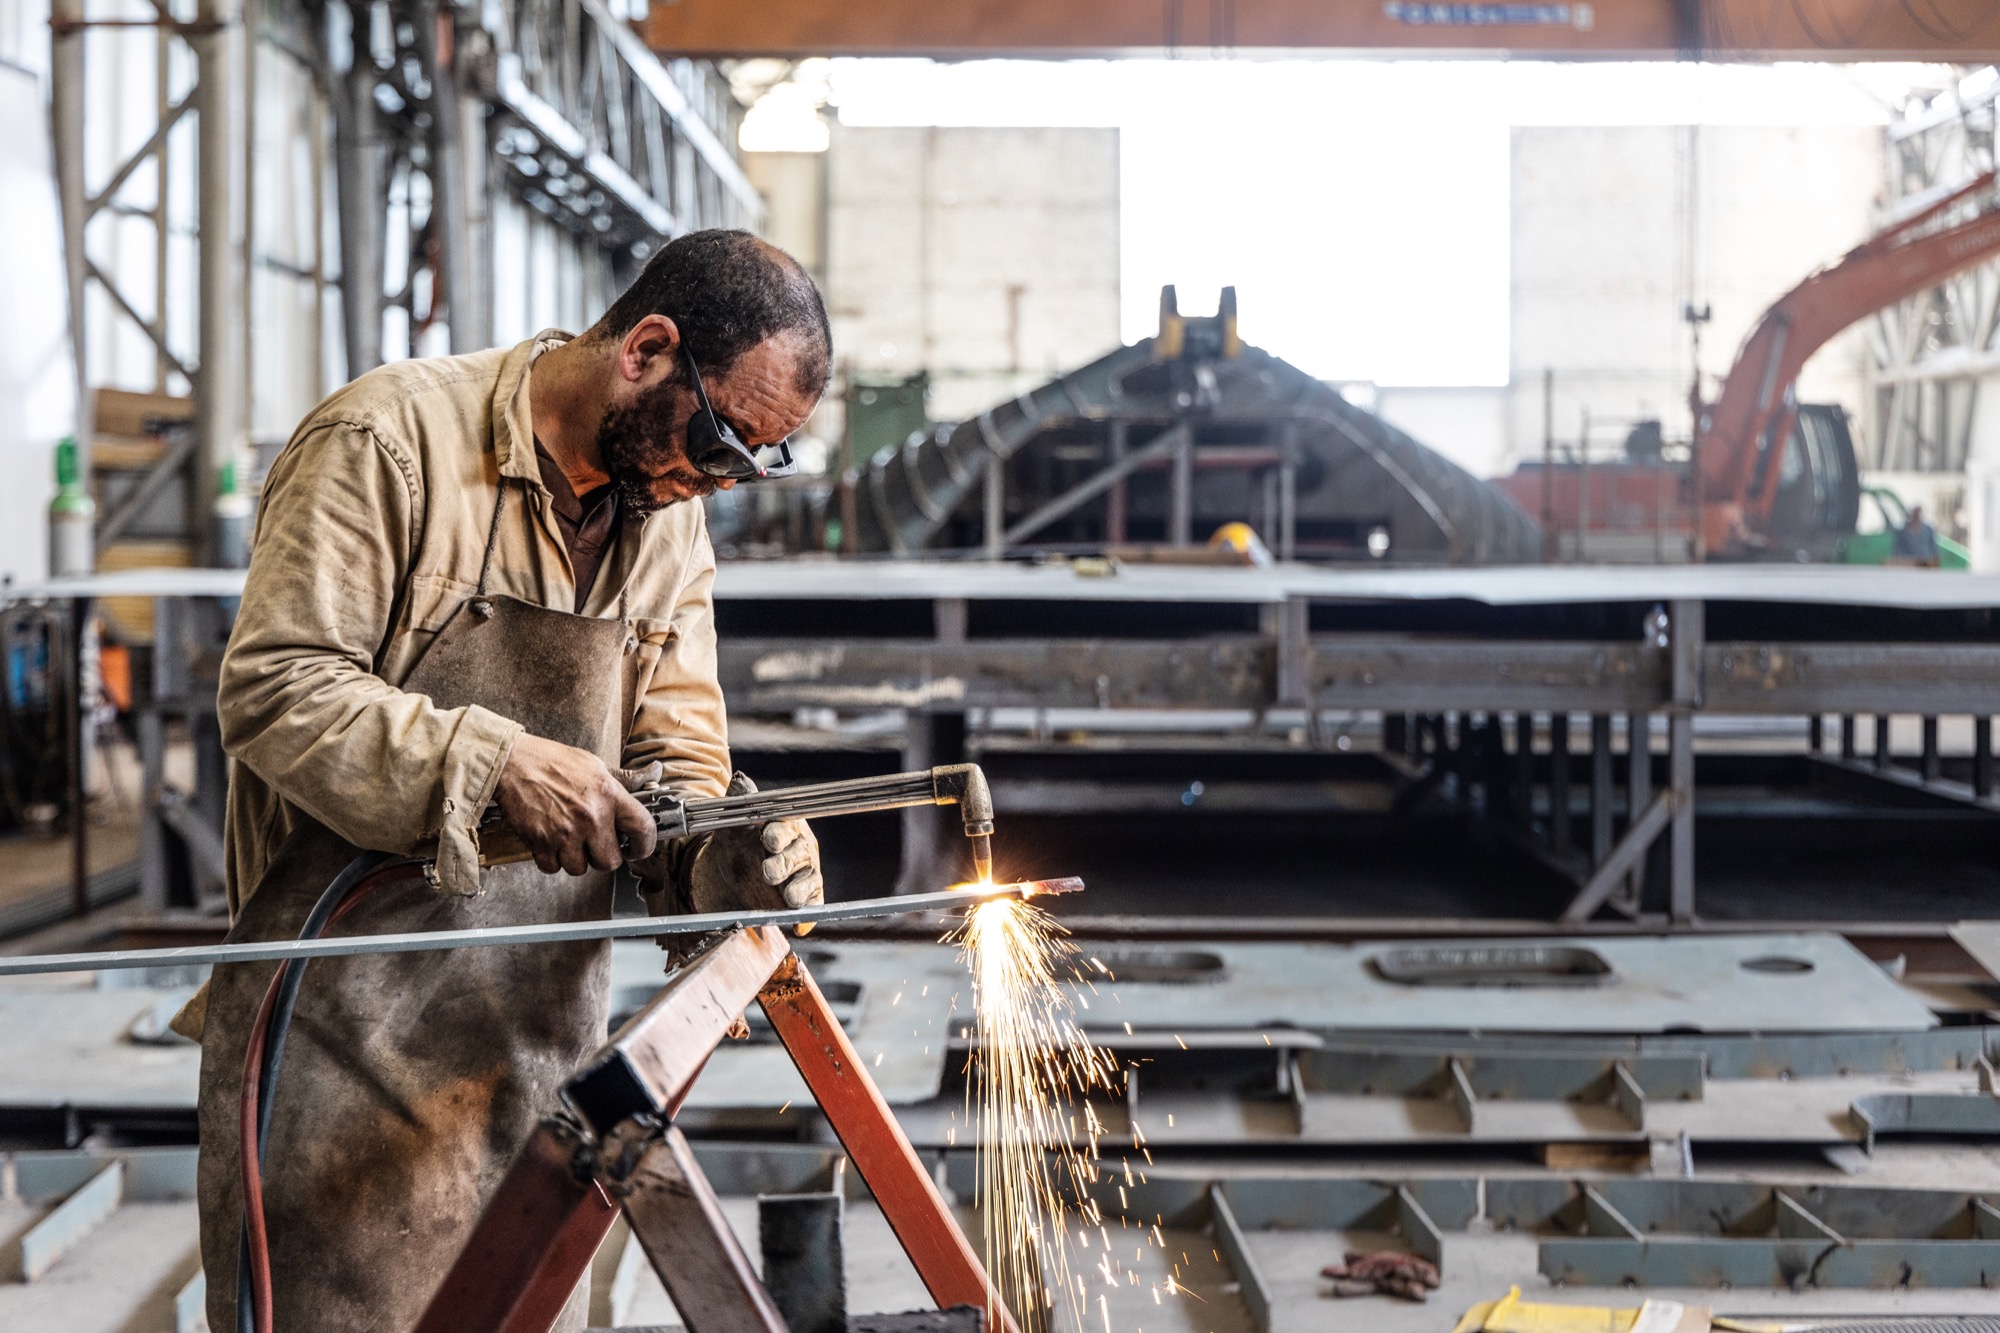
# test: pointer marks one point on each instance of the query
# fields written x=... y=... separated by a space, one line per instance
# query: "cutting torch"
x=963 y=785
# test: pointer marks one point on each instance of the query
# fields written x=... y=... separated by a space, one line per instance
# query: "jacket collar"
x=513 y=422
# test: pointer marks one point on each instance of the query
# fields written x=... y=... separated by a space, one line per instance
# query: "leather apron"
x=411 y=1080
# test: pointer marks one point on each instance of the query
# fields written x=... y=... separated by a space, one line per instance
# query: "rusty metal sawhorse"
x=537 y=1237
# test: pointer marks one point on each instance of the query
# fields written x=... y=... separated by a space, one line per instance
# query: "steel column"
x=1982 y=755
x=1288 y=493
x=75 y=705
x=1687 y=626
x=1524 y=768
x=1180 y=496
x=805 y=1252
x=1881 y=755
x=1115 y=503
x=357 y=160
x=450 y=216
x=995 y=512
x=66 y=116
x=1600 y=787
x=1638 y=794
x=1932 y=762
x=1559 y=781
x=222 y=191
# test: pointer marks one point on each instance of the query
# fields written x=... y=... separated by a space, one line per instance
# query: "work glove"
x=765 y=867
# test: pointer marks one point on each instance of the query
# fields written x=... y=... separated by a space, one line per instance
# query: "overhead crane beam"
x=1843 y=30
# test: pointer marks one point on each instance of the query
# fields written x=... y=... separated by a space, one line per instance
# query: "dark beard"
x=633 y=448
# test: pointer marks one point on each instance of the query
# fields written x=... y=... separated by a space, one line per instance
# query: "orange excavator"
x=1758 y=501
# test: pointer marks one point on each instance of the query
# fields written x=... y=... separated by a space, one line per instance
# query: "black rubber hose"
x=359 y=869
x=353 y=876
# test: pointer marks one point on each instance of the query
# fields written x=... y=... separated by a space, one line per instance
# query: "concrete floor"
x=121 y=1278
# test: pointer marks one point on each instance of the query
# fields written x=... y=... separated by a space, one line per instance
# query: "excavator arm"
x=1743 y=434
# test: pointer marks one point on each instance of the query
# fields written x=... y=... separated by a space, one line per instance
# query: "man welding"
x=481 y=579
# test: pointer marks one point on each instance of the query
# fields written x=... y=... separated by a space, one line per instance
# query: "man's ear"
x=654 y=341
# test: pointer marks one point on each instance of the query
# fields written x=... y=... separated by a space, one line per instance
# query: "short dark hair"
x=728 y=291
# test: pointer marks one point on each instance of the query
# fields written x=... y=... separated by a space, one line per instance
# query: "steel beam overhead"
x=1953 y=30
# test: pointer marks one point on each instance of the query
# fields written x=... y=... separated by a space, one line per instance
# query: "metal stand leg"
x=531 y=1246
x=852 y=1104
x=675 y=1214
x=76 y=705
x=1680 y=781
x=1600 y=788
x=1524 y=767
x=1881 y=740
x=1638 y=796
x=1933 y=762
x=1982 y=756
x=1559 y=782
x=1689 y=629
x=1847 y=745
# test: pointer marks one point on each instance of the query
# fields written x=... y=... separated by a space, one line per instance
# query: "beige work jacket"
x=370 y=533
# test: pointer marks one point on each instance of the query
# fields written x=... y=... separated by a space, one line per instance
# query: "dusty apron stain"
x=411 y=1080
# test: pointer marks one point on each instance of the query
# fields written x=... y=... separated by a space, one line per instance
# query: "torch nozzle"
x=982 y=857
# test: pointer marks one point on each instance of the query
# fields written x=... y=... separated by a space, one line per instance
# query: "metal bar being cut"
x=620 y=928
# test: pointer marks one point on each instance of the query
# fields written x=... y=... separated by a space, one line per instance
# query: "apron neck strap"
x=493 y=539
x=492 y=535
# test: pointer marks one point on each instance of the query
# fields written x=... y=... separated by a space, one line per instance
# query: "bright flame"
x=1029 y=1064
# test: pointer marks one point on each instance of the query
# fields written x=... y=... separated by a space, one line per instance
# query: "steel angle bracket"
x=621 y=1151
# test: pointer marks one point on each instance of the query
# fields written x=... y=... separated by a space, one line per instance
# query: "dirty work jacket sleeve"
x=300 y=703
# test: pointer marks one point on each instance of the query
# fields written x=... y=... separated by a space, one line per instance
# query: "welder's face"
x=643 y=439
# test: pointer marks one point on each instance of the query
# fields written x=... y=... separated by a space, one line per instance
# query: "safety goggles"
x=716 y=450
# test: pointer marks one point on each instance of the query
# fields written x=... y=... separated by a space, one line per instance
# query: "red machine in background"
x=1750 y=498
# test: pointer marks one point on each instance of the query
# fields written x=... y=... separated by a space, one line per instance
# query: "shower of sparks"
x=1031 y=1066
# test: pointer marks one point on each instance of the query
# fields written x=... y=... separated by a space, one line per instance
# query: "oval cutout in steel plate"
x=1165 y=967
x=1777 y=965
x=1533 y=965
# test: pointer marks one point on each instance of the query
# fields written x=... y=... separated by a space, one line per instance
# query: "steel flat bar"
x=679 y=1222
x=1096 y=484
x=1235 y=1248
x=72 y=1220
x=1622 y=861
x=622 y=928
x=138 y=157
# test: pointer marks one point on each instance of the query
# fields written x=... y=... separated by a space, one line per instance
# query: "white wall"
x=37 y=378
x=1602 y=265
x=989 y=256
x=1468 y=426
